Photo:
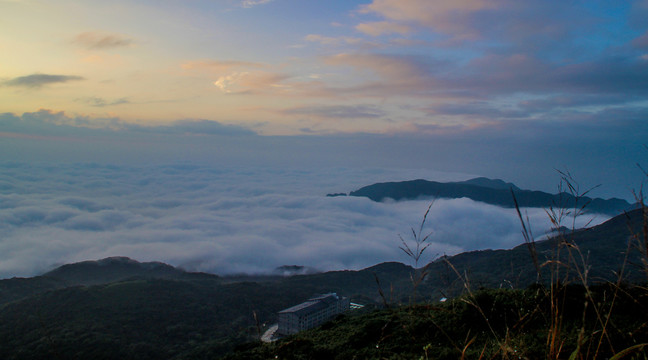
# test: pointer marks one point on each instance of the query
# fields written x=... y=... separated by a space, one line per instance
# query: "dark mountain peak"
x=495 y=192
x=128 y=262
x=124 y=259
x=111 y=269
x=112 y=260
x=95 y=272
x=490 y=183
x=389 y=267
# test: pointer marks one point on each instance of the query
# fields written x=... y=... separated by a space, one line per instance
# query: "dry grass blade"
x=415 y=252
x=528 y=237
x=380 y=291
x=420 y=244
x=623 y=353
x=465 y=348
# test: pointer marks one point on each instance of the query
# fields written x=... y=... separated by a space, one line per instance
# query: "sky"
x=500 y=88
x=284 y=67
x=399 y=89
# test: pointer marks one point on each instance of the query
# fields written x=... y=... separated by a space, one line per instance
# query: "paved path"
x=269 y=335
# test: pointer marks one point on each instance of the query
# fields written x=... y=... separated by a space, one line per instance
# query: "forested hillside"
x=119 y=308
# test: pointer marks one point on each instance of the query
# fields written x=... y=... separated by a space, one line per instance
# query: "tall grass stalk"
x=567 y=265
x=573 y=267
x=419 y=243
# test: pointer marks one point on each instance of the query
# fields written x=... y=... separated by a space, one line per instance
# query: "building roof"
x=311 y=305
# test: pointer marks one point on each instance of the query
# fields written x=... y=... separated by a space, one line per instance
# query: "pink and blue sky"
x=285 y=67
x=500 y=88
x=556 y=84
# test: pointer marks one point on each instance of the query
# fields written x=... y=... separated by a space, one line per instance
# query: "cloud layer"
x=94 y=40
x=594 y=146
x=36 y=81
x=225 y=220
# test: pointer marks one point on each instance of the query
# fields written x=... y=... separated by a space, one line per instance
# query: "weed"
x=419 y=243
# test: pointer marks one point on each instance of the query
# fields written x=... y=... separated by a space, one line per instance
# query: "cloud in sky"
x=329 y=40
x=641 y=41
x=382 y=27
x=101 y=102
x=35 y=81
x=404 y=57
x=336 y=112
x=523 y=150
x=94 y=40
x=47 y=122
x=219 y=66
x=537 y=26
x=225 y=220
x=390 y=67
x=252 y=3
x=395 y=74
x=196 y=126
x=494 y=74
x=447 y=17
x=251 y=82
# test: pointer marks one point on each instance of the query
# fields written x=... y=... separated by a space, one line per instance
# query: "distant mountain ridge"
x=110 y=270
x=609 y=247
x=490 y=183
x=490 y=191
x=93 y=272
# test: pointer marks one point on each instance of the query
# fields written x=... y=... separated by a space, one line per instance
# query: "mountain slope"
x=490 y=183
x=165 y=318
x=115 y=269
x=158 y=311
x=495 y=192
x=140 y=319
x=601 y=249
x=490 y=324
x=97 y=272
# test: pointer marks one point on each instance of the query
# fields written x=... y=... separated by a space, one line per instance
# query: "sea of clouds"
x=231 y=220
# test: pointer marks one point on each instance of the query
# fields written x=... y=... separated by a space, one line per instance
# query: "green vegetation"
x=143 y=319
x=193 y=316
x=489 y=324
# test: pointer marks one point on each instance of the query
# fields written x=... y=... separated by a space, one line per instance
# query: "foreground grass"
x=489 y=324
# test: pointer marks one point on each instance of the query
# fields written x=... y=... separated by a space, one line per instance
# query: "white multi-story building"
x=313 y=312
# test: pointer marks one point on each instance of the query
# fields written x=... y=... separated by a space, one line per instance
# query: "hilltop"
x=494 y=192
x=93 y=272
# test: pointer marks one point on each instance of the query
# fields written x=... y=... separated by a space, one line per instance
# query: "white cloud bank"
x=227 y=220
